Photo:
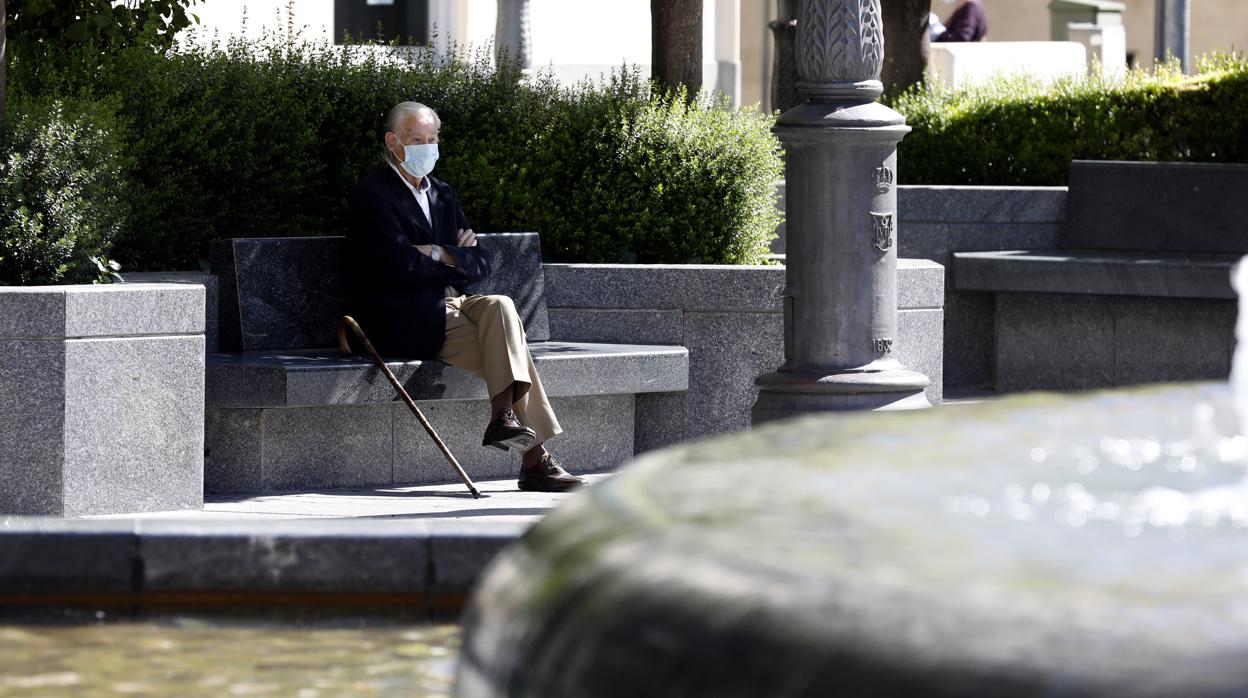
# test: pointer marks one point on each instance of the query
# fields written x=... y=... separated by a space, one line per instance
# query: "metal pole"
x=1174 y=32
x=4 y=61
x=840 y=299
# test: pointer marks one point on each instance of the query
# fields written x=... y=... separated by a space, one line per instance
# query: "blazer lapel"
x=435 y=207
x=400 y=189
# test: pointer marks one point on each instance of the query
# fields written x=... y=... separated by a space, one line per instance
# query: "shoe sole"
x=558 y=488
x=520 y=442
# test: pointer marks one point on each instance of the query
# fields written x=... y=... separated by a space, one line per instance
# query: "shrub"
x=62 y=191
x=1016 y=132
x=267 y=139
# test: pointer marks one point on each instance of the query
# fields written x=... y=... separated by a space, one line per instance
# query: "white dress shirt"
x=422 y=199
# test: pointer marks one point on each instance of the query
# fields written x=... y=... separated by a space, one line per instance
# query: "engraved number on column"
x=882 y=345
x=883 y=238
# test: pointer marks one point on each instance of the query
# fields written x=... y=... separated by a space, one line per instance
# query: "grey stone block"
x=32 y=312
x=208 y=281
x=665 y=286
x=516 y=260
x=310 y=378
x=596 y=325
x=332 y=446
x=920 y=284
x=233 y=450
x=970 y=340
x=920 y=337
x=936 y=241
x=1098 y=273
x=1172 y=339
x=302 y=555
x=1053 y=342
x=289 y=293
x=109 y=310
x=461 y=550
x=727 y=351
x=32 y=425
x=597 y=436
x=697 y=288
x=40 y=555
x=964 y=204
x=660 y=420
x=133 y=425
x=1158 y=207
x=460 y=424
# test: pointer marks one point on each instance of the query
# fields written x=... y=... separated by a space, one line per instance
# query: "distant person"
x=969 y=22
x=935 y=26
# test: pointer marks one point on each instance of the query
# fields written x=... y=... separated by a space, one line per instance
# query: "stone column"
x=511 y=31
x=840 y=304
x=784 y=72
x=1173 y=35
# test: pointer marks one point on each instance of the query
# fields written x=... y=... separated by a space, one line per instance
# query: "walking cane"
x=348 y=321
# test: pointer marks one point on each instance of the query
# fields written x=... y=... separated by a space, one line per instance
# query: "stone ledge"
x=1096 y=273
x=709 y=288
x=138 y=557
x=964 y=204
x=108 y=310
x=313 y=378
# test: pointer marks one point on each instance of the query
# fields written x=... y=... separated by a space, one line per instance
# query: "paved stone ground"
x=500 y=502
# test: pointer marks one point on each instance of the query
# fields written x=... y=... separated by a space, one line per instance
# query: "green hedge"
x=62 y=190
x=1014 y=132
x=267 y=139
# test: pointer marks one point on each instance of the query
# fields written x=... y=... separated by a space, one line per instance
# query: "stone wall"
x=936 y=221
x=101 y=398
x=729 y=317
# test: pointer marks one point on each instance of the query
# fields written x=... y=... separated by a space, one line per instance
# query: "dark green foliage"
x=150 y=23
x=62 y=191
x=267 y=139
x=1016 y=133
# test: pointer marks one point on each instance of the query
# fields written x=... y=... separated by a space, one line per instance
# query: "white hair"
x=400 y=112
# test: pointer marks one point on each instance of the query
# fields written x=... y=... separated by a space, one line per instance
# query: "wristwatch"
x=436 y=253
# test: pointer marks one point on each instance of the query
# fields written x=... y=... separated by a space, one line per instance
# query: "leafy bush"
x=151 y=23
x=268 y=138
x=62 y=191
x=1016 y=132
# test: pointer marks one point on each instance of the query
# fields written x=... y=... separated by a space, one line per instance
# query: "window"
x=405 y=22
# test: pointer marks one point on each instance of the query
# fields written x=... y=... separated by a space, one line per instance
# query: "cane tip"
x=475 y=494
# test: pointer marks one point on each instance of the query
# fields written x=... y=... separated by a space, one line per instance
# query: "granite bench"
x=286 y=410
x=1138 y=290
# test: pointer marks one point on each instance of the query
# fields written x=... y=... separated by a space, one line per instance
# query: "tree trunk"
x=676 y=41
x=906 y=43
x=4 y=60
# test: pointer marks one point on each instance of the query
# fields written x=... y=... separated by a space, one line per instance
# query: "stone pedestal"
x=101 y=399
x=840 y=305
x=1172 y=38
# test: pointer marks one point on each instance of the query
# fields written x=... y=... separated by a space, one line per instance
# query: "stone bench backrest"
x=1157 y=207
x=288 y=293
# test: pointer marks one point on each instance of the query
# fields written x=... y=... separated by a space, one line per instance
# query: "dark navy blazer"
x=398 y=294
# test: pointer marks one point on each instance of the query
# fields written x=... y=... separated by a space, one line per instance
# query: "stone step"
x=319 y=377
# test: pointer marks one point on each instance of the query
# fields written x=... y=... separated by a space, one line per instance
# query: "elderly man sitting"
x=412 y=252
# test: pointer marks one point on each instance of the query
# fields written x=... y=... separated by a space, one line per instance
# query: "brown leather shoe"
x=546 y=475
x=505 y=431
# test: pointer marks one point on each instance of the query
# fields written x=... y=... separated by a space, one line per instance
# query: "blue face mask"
x=419 y=160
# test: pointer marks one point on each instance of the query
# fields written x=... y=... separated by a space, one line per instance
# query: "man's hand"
x=467 y=238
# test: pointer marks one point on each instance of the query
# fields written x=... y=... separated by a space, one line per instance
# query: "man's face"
x=414 y=129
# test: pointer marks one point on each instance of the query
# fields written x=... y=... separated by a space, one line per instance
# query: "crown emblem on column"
x=883 y=179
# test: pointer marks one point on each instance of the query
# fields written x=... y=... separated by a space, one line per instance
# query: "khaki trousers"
x=485 y=337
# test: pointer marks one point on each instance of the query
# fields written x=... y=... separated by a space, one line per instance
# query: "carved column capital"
x=840 y=50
